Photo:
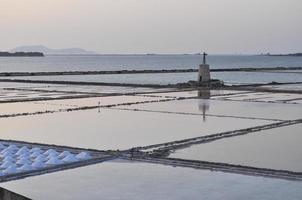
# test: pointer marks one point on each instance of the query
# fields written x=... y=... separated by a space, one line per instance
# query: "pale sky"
x=154 y=26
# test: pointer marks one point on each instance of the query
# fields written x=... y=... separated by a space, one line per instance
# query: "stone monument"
x=204 y=71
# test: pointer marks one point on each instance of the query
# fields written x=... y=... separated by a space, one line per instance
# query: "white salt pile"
x=19 y=158
x=83 y=156
x=54 y=160
x=38 y=164
x=10 y=170
x=25 y=167
x=70 y=158
x=64 y=154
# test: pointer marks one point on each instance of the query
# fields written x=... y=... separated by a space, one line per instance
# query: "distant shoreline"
x=21 y=54
x=260 y=69
x=290 y=54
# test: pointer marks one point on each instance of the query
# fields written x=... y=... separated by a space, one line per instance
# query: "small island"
x=21 y=54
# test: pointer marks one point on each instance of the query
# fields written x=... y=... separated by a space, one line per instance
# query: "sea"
x=140 y=62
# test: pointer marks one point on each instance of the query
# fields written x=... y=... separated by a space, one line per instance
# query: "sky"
x=154 y=26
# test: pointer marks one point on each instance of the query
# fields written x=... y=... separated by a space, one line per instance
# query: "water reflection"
x=278 y=148
x=203 y=102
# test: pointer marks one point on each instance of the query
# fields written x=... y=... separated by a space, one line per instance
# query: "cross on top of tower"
x=204 y=62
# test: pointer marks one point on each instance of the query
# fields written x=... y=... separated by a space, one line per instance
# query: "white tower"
x=204 y=71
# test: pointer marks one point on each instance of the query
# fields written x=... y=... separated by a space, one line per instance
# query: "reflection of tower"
x=204 y=71
x=204 y=103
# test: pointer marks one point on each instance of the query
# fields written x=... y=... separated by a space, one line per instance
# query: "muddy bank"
x=254 y=69
x=248 y=69
x=259 y=88
x=196 y=114
x=213 y=84
x=223 y=167
x=179 y=144
x=47 y=98
x=96 y=72
x=85 y=83
x=190 y=84
x=77 y=108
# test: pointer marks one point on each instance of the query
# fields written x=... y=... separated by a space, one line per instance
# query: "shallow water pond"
x=123 y=180
x=115 y=129
x=278 y=148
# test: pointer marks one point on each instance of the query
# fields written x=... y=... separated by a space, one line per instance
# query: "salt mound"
x=65 y=154
x=23 y=161
x=38 y=164
x=24 y=148
x=4 y=150
x=83 y=156
x=23 y=154
x=35 y=154
x=40 y=158
x=10 y=170
x=2 y=146
x=36 y=149
x=25 y=167
x=54 y=161
x=50 y=156
x=7 y=153
x=27 y=156
x=51 y=151
x=7 y=150
x=6 y=164
x=12 y=147
x=22 y=151
x=70 y=158
x=8 y=158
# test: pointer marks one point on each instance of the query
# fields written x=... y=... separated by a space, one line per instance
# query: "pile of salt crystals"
x=15 y=158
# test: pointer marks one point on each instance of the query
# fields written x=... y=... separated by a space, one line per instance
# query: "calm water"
x=227 y=108
x=120 y=180
x=278 y=148
x=118 y=62
x=173 y=78
x=114 y=129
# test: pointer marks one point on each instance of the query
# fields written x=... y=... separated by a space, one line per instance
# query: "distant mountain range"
x=46 y=50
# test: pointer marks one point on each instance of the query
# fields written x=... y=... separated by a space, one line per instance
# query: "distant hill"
x=46 y=50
